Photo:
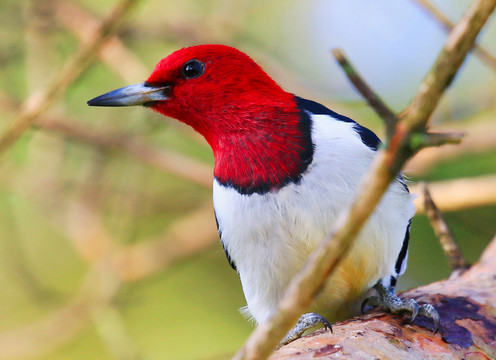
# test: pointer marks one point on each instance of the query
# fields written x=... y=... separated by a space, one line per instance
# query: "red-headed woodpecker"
x=284 y=169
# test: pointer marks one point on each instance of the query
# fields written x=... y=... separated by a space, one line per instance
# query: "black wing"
x=229 y=259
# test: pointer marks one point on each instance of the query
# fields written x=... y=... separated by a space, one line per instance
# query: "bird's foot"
x=306 y=322
x=390 y=301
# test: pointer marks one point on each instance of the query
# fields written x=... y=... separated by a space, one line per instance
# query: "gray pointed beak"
x=139 y=94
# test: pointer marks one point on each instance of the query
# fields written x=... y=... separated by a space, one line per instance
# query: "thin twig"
x=442 y=231
x=431 y=139
x=481 y=138
x=39 y=102
x=485 y=56
x=385 y=167
x=459 y=194
x=372 y=98
x=459 y=42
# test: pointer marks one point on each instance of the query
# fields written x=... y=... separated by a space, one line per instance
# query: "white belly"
x=270 y=236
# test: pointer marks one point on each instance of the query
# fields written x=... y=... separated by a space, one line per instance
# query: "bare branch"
x=39 y=102
x=442 y=231
x=480 y=138
x=372 y=98
x=460 y=41
x=484 y=55
x=421 y=140
x=459 y=194
x=384 y=169
x=437 y=138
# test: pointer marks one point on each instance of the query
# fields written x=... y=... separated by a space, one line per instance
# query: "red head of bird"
x=260 y=139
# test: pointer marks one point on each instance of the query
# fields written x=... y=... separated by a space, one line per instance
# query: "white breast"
x=270 y=236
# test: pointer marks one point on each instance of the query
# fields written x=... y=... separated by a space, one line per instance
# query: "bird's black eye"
x=193 y=69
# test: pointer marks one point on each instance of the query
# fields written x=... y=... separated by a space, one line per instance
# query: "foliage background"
x=77 y=215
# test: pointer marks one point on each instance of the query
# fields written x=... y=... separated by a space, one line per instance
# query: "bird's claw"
x=305 y=322
x=430 y=311
x=394 y=304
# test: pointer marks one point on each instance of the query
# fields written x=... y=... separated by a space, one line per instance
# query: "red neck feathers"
x=268 y=147
x=260 y=138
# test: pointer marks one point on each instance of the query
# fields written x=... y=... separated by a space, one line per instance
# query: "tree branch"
x=484 y=55
x=460 y=41
x=458 y=194
x=442 y=231
x=480 y=139
x=363 y=88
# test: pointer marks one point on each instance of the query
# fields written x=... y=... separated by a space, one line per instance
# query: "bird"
x=285 y=167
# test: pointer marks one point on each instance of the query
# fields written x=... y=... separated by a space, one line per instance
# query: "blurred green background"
x=108 y=247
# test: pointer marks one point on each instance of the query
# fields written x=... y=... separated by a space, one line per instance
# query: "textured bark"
x=466 y=303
